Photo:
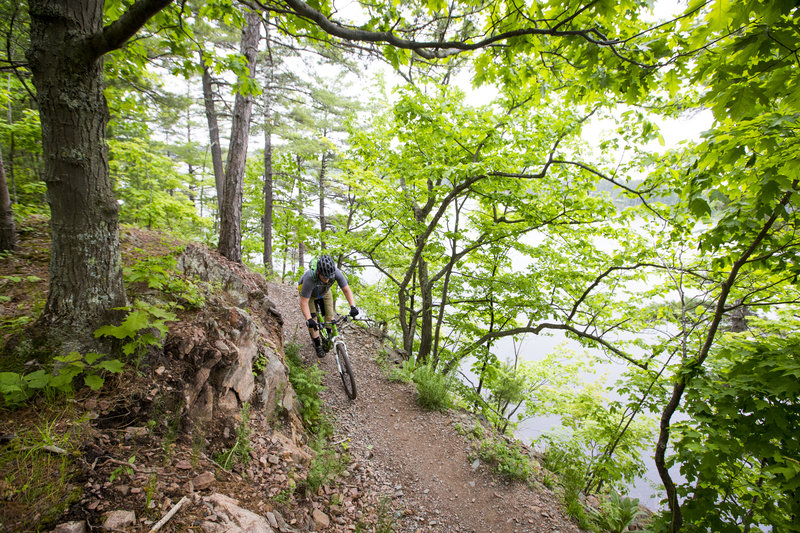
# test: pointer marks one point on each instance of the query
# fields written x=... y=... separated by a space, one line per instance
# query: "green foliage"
x=404 y=373
x=514 y=392
x=306 y=381
x=259 y=364
x=38 y=481
x=283 y=497
x=506 y=459
x=327 y=464
x=433 y=389
x=568 y=462
x=592 y=427
x=17 y=389
x=616 y=513
x=160 y=273
x=151 y=189
x=144 y=328
x=126 y=469
x=739 y=447
x=239 y=453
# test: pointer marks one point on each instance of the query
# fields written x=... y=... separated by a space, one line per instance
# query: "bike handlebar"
x=341 y=319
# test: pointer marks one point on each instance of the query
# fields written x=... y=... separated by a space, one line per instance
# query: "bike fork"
x=336 y=344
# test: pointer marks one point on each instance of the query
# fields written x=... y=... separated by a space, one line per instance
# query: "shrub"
x=507 y=460
x=433 y=389
x=616 y=513
x=306 y=381
x=405 y=373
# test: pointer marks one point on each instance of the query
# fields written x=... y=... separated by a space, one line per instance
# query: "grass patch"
x=328 y=463
x=37 y=484
x=505 y=459
x=239 y=453
x=433 y=389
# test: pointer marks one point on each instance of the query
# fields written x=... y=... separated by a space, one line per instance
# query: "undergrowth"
x=239 y=453
x=433 y=389
x=329 y=460
x=38 y=481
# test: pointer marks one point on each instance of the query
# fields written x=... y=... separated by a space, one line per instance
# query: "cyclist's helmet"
x=325 y=266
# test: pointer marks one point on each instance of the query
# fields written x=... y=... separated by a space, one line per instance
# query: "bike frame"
x=332 y=340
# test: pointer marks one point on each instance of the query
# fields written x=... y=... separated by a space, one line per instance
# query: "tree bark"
x=8 y=237
x=67 y=45
x=268 y=197
x=230 y=231
x=321 y=183
x=85 y=264
x=301 y=245
x=213 y=133
x=268 y=173
x=426 y=326
x=322 y=168
x=9 y=164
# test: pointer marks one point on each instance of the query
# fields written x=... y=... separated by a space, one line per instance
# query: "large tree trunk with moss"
x=67 y=45
x=230 y=231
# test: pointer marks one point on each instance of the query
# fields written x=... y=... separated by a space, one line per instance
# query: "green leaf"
x=91 y=357
x=38 y=380
x=113 y=365
x=93 y=381
x=699 y=207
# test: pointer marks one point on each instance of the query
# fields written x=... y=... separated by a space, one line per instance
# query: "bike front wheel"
x=348 y=379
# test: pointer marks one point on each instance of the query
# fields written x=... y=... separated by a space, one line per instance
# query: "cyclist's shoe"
x=320 y=352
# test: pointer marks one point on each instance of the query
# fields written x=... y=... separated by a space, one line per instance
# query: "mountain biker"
x=316 y=282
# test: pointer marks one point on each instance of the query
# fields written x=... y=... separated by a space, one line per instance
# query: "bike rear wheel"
x=348 y=379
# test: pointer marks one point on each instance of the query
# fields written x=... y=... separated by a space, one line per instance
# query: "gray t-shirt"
x=312 y=286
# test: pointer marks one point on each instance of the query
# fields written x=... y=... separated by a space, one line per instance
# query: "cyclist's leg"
x=315 y=340
x=328 y=299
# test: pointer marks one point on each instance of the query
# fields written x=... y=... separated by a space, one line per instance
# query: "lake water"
x=647 y=489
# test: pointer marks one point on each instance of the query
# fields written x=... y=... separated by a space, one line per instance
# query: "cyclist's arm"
x=304 y=308
x=349 y=295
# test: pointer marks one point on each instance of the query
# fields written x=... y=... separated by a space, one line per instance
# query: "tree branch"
x=118 y=32
x=697 y=362
x=438 y=48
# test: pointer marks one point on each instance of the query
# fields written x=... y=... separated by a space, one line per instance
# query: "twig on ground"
x=169 y=515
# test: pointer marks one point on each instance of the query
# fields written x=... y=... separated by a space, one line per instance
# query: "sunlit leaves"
x=742 y=439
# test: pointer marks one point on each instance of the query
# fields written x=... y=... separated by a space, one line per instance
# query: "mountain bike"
x=329 y=333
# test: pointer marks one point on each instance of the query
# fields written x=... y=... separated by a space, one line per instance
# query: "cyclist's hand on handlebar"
x=353 y=311
x=311 y=323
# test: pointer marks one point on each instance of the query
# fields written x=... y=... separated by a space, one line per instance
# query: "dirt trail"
x=416 y=458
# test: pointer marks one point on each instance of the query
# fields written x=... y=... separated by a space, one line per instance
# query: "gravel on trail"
x=415 y=459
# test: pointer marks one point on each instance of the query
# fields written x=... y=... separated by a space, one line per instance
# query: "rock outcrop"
x=233 y=346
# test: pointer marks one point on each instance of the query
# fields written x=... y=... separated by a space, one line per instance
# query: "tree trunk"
x=9 y=163
x=322 y=168
x=426 y=325
x=301 y=245
x=230 y=231
x=85 y=264
x=268 y=173
x=268 y=200
x=8 y=237
x=213 y=133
